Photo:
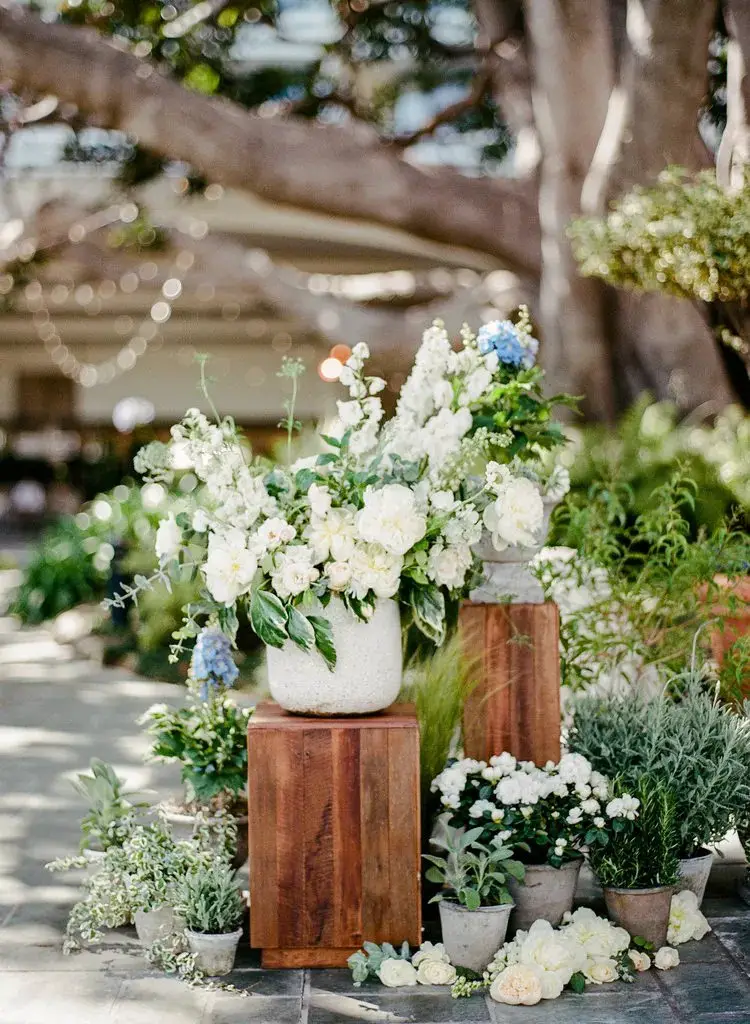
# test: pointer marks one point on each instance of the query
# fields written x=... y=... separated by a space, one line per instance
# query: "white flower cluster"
x=516 y=513
x=686 y=922
x=430 y=965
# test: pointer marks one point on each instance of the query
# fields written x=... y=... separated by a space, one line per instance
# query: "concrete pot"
x=546 y=893
x=184 y=825
x=642 y=912
x=151 y=925
x=214 y=953
x=369 y=665
x=472 y=937
x=694 y=873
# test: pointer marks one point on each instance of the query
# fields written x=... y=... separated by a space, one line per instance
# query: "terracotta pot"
x=545 y=893
x=644 y=913
x=215 y=954
x=694 y=873
x=735 y=616
x=472 y=937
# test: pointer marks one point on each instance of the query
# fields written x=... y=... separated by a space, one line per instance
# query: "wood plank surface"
x=516 y=705
x=306 y=957
x=288 y=752
x=262 y=813
x=376 y=866
x=316 y=897
x=347 y=838
x=404 y=853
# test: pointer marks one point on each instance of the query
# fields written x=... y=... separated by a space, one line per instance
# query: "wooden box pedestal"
x=516 y=706
x=334 y=834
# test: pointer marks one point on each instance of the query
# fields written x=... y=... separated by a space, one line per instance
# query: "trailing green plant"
x=684 y=738
x=108 y=821
x=209 y=740
x=209 y=901
x=644 y=853
x=438 y=682
x=474 y=874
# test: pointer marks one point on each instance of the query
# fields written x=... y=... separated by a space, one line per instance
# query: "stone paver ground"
x=56 y=712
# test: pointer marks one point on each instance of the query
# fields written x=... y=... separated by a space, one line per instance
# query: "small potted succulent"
x=638 y=868
x=208 y=739
x=547 y=815
x=475 y=903
x=110 y=816
x=211 y=905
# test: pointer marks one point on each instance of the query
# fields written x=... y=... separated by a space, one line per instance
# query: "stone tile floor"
x=56 y=712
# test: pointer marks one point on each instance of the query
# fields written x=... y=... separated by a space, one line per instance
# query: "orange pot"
x=734 y=613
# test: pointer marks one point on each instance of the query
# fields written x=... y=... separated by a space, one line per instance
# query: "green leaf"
x=324 y=639
x=577 y=982
x=428 y=606
x=268 y=618
x=299 y=629
x=332 y=441
x=515 y=869
x=470 y=899
x=434 y=875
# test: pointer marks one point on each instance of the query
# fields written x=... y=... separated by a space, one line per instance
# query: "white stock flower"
x=374 y=568
x=294 y=571
x=436 y=972
x=168 y=539
x=518 y=985
x=686 y=922
x=641 y=961
x=601 y=971
x=397 y=973
x=229 y=567
x=274 y=532
x=430 y=951
x=319 y=499
x=442 y=394
x=515 y=517
x=350 y=414
x=666 y=958
x=390 y=518
x=338 y=575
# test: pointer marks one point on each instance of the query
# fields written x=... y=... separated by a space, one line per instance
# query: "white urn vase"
x=507 y=574
x=369 y=663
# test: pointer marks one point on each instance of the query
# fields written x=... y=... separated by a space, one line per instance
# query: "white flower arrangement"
x=389 y=510
x=551 y=811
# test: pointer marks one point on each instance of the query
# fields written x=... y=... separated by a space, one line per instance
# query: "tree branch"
x=479 y=89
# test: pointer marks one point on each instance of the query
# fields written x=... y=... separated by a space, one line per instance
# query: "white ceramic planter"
x=545 y=893
x=506 y=573
x=214 y=953
x=367 y=677
x=694 y=874
x=151 y=925
x=472 y=937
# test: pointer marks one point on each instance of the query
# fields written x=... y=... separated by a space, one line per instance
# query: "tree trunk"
x=572 y=58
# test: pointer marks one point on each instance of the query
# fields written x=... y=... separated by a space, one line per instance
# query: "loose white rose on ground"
x=641 y=961
x=516 y=515
x=436 y=972
x=430 y=951
x=547 y=949
x=390 y=518
x=686 y=921
x=397 y=973
x=168 y=539
x=666 y=958
x=597 y=937
x=601 y=971
x=229 y=567
x=518 y=985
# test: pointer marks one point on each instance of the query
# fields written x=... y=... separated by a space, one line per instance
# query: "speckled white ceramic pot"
x=367 y=677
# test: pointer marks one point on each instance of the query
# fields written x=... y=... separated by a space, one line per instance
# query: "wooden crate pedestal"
x=516 y=706
x=334 y=834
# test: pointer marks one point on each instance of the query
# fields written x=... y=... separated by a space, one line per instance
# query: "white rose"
x=229 y=567
x=686 y=922
x=547 y=948
x=516 y=515
x=397 y=973
x=430 y=951
x=448 y=566
x=436 y=972
x=590 y=806
x=273 y=533
x=519 y=984
x=666 y=958
x=338 y=575
x=374 y=568
x=332 y=535
x=319 y=499
x=641 y=961
x=294 y=571
x=601 y=971
x=443 y=501
x=168 y=539
x=390 y=518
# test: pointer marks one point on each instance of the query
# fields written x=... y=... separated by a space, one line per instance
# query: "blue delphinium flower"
x=513 y=347
x=212 y=664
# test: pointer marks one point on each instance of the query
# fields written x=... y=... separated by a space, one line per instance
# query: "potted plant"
x=638 y=868
x=208 y=739
x=685 y=738
x=476 y=903
x=136 y=883
x=211 y=905
x=110 y=816
x=546 y=814
x=323 y=554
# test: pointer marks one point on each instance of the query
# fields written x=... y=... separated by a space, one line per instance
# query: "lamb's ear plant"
x=366 y=962
x=209 y=900
x=685 y=738
x=107 y=822
x=475 y=874
x=644 y=853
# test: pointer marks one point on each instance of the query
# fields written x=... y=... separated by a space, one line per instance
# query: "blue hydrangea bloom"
x=513 y=347
x=212 y=664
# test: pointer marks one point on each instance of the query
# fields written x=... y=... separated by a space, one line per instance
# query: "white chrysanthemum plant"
x=317 y=552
